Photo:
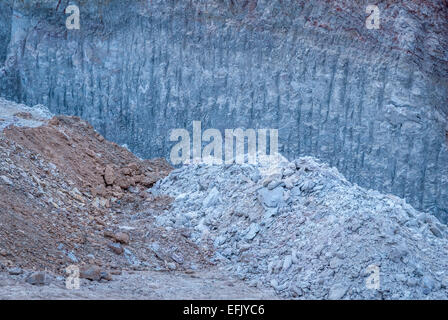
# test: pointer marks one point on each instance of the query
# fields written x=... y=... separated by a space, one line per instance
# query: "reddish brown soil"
x=65 y=189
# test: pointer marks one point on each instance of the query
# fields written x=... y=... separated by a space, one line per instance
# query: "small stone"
x=308 y=186
x=108 y=234
x=24 y=115
x=6 y=180
x=106 y=276
x=296 y=291
x=277 y=286
x=396 y=254
x=287 y=263
x=72 y=257
x=211 y=199
x=131 y=258
x=109 y=175
x=444 y=283
x=99 y=190
x=428 y=284
x=254 y=228
x=295 y=192
x=289 y=183
x=116 y=248
x=122 y=237
x=288 y=172
x=411 y=282
x=255 y=177
x=335 y=263
x=271 y=178
x=337 y=292
x=294 y=257
x=15 y=271
x=134 y=167
x=177 y=257
x=271 y=198
x=220 y=240
x=54 y=121
x=124 y=182
x=115 y=272
x=91 y=272
x=90 y=153
x=435 y=231
x=171 y=266
x=274 y=184
x=253 y=284
x=38 y=279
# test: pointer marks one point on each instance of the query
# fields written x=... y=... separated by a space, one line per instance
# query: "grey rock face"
x=373 y=103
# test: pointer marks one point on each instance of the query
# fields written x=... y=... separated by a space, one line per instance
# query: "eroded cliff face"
x=373 y=103
x=5 y=30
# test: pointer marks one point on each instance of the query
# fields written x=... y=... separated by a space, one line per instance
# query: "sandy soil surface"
x=204 y=285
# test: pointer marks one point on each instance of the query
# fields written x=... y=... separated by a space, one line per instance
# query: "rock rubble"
x=303 y=229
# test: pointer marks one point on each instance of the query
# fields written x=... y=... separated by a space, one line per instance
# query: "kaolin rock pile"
x=303 y=229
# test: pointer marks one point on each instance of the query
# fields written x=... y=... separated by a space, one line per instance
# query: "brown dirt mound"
x=87 y=158
x=68 y=196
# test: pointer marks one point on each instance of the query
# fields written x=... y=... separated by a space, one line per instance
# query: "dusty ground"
x=203 y=285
